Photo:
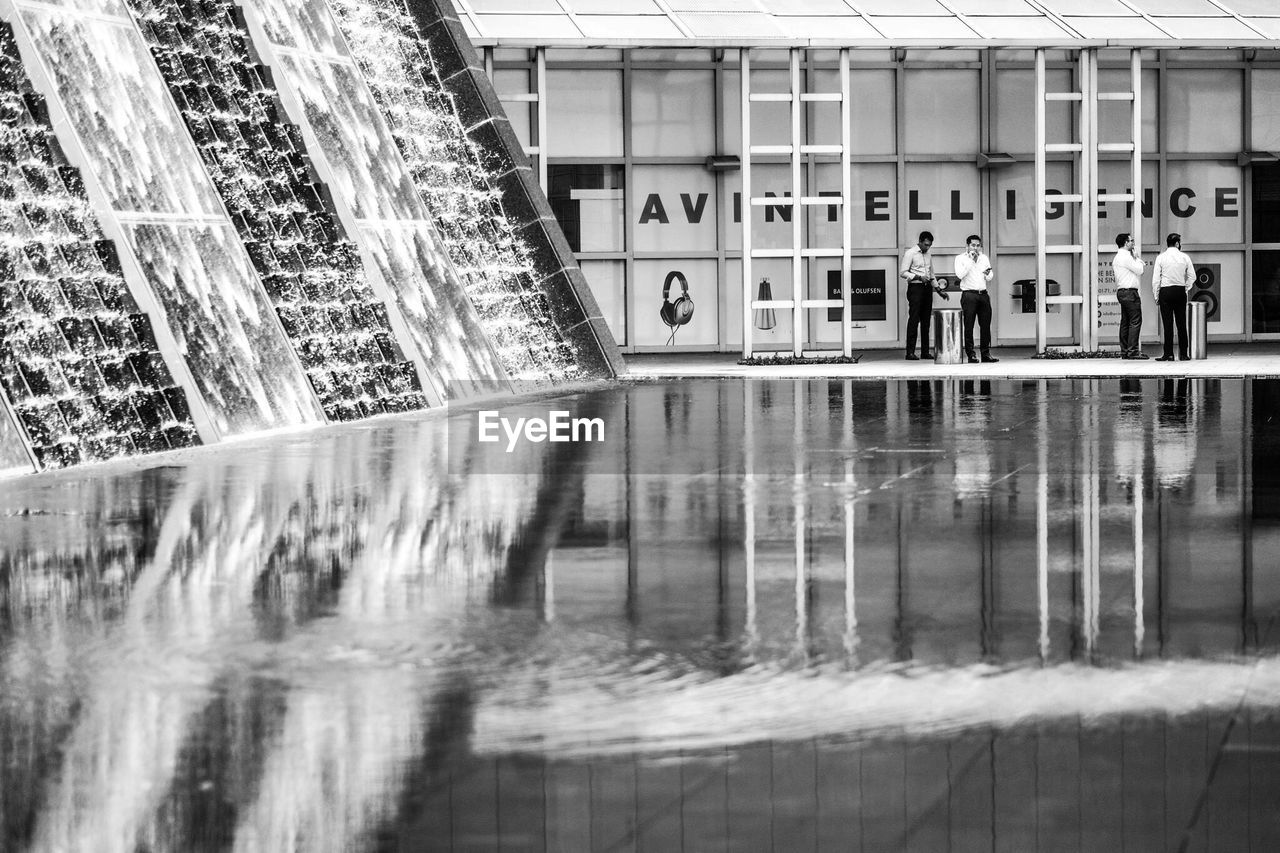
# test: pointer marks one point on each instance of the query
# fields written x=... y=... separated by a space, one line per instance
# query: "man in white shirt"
x=917 y=270
x=1171 y=277
x=1128 y=269
x=973 y=268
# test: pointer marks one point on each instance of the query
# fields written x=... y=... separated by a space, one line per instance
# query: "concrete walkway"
x=1225 y=360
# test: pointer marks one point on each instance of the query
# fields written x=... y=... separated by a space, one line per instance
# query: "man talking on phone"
x=973 y=268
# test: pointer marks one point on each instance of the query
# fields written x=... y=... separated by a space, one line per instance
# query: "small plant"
x=766 y=360
x=1052 y=353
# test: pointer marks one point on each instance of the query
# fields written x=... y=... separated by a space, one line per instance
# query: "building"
x=947 y=115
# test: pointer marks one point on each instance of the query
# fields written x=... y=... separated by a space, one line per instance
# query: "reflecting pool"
x=785 y=615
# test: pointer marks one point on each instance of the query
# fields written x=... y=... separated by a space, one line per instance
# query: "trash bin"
x=948 y=336
x=1197 y=329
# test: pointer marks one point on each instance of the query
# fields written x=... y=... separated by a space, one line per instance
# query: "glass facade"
x=646 y=120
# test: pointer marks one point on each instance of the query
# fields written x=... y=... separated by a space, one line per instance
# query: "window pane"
x=875 y=215
x=509 y=82
x=1266 y=292
x=770 y=225
x=1015 y=101
x=1115 y=117
x=872 y=107
x=770 y=120
x=1220 y=285
x=942 y=112
x=873 y=225
x=731 y=120
x=1015 y=209
x=674 y=208
x=1204 y=201
x=1265 y=114
x=942 y=198
x=588 y=203
x=672 y=113
x=703 y=290
x=608 y=285
x=1204 y=109
x=1266 y=203
x=1016 y=323
x=584 y=113
x=1114 y=176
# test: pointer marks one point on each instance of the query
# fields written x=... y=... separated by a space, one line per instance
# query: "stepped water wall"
x=220 y=219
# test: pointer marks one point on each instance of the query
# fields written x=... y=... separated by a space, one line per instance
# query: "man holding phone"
x=973 y=268
x=917 y=270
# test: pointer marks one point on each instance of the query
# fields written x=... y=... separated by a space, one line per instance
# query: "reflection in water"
x=920 y=611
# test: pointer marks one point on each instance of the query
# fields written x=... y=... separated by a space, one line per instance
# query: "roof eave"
x=875 y=44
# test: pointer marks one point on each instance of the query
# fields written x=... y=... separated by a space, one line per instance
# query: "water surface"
x=759 y=616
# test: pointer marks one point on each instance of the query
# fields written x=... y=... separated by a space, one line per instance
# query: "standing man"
x=1171 y=277
x=917 y=269
x=1128 y=269
x=973 y=268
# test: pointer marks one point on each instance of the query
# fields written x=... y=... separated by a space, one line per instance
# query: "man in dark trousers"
x=917 y=269
x=1128 y=268
x=973 y=268
x=1171 y=277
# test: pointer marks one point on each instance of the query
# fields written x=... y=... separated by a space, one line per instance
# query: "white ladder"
x=1087 y=198
x=797 y=251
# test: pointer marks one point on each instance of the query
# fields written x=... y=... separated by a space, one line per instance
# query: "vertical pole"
x=1139 y=627
x=1089 y=206
x=850 y=483
x=549 y=588
x=749 y=509
x=799 y=290
x=1091 y=531
x=744 y=78
x=1042 y=262
x=541 y=70
x=1042 y=517
x=846 y=205
x=1135 y=177
x=801 y=518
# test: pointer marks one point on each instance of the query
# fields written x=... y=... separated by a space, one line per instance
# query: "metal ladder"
x=1088 y=199
x=797 y=252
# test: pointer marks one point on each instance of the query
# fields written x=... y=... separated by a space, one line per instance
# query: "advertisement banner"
x=1108 y=312
x=866 y=294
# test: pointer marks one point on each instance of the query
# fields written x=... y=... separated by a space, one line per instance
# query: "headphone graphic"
x=677 y=313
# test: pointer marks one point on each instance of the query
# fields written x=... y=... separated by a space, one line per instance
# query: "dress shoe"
x=1140 y=355
x=989 y=359
x=927 y=355
x=973 y=360
x=912 y=357
x=1165 y=358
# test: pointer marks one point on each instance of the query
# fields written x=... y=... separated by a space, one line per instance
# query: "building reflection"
x=981 y=594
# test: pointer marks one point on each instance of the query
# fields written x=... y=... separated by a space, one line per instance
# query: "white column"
x=1042 y=262
x=744 y=73
x=846 y=207
x=798 y=289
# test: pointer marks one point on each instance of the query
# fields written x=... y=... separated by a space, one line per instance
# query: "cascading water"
x=180 y=253
x=374 y=191
x=258 y=162
x=269 y=274
x=491 y=259
x=78 y=361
